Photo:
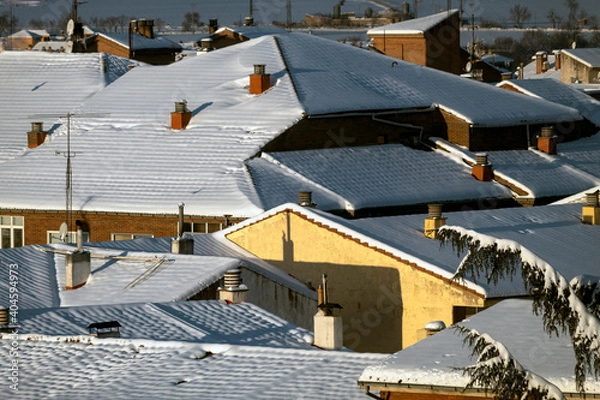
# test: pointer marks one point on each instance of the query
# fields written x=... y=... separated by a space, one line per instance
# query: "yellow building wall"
x=386 y=301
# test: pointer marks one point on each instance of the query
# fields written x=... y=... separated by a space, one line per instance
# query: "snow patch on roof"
x=412 y=26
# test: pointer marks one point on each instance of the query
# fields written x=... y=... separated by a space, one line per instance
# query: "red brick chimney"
x=482 y=170
x=37 y=135
x=181 y=117
x=146 y=28
x=546 y=142
x=540 y=58
x=557 y=59
x=213 y=25
x=259 y=80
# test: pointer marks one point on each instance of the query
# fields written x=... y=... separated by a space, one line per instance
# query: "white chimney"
x=329 y=333
x=233 y=290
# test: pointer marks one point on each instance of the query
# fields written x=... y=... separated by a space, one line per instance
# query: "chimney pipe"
x=590 y=213
x=79 y=236
x=233 y=290
x=37 y=135
x=329 y=332
x=434 y=327
x=540 y=58
x=482 y=170
x=305 y=199
x=259 y=80
x=78 y=263
x=181 y=117
x=546 y=142
x=434 y=221
x=181 y=244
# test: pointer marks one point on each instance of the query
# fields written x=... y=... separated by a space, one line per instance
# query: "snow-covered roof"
x=127 y=369
x=206 y=321
x=554 y=233
x=139 y=42
x=530 y=70
x=45 y=83
x=587 y=56
x=560 y=93
x=536 y=173
x=364 y=177
x=131 y=161
x=252 y=31
x=30 y=33
x=433 y=361
x=412 y=26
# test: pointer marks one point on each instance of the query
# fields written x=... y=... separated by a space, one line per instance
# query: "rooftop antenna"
x=251 y=10
x=69 y=154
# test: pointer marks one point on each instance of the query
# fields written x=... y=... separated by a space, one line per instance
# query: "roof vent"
x=259 y=80
x=105 y=329
x=233 y=290
x=37 y=135
x=181 y=117
x=590 y=213
x=434 y=220
x=546 y=142
x=3 y=316
x=305 y=199
x=482 y=170
x=434 y=327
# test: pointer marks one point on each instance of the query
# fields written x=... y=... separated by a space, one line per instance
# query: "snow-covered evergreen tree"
x=562 y=311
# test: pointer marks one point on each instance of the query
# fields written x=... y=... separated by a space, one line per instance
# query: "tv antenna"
x=68 y=154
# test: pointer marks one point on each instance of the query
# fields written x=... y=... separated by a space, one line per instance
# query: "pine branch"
x=499 y=371
x=561 y=309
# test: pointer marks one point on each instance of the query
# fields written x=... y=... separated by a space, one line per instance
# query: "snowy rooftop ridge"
x=432 y=362
x=412 y=26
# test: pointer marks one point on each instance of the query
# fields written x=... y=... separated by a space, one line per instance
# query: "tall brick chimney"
x=557 y=54
x=146 y=28
x=213 y=25
x=37 y=135
x=541 y=60
x=546 y=142
x=181 y=117
x=482 y=170
x=259 y=80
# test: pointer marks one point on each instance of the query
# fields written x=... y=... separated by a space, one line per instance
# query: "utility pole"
x=251 y=10
x=289 y=14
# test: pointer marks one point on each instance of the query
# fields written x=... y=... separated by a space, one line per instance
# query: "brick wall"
x=102 y=225
x=411 y=48
x=458 y=130
x=443 y=46
x=431 y=395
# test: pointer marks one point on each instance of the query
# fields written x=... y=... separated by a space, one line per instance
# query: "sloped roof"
x=433 y=361
x=530 y=70
x=45 y=83
x=333 y=78
x=127 y=369
x=252 y=31
x=374 y=176
x=206 y=321
x=587 y=56
x=551 y=232
x=537 y=173
x=560 y=93
x=139 y=42
x=30 y=33
x=412 y=26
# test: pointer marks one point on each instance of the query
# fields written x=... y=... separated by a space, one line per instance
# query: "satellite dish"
x=63 y=231
x=69 y=48
x=469 y=66
x=573 y=45
x=70 y=27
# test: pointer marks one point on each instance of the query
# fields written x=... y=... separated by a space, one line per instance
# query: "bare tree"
x=191 y=21
x=554 y=19
x=519 y=15
x=5 y=28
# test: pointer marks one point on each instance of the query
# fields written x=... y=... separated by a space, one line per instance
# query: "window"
x=54 y=237
x=461 y=313
x=129 y=236
x=202 y=227
x=11 y=232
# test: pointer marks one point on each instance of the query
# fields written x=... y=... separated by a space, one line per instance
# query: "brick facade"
x=101 y=44
x=437 y=48
x=101 y=226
